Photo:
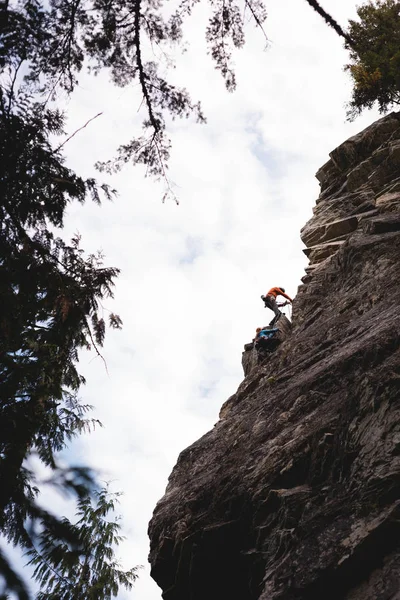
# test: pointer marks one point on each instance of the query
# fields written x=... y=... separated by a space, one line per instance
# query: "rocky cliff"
x=295 y=493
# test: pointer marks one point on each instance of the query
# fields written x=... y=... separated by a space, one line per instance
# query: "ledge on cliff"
x=295 y=492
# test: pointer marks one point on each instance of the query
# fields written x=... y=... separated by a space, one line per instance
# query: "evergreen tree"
x=50 y=296
x=50 y=308
x=375 y=56
x=85 y=568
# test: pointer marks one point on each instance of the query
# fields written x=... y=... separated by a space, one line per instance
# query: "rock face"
x=295 y=492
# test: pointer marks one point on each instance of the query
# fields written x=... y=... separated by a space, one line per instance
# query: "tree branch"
x=331 y=21
x=77 y=131
x=142 y=75
x=257 y=20
x=96 y=348
x=11 y=92
x=69 y=38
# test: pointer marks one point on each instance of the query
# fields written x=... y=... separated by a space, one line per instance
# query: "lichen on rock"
x=295 y=492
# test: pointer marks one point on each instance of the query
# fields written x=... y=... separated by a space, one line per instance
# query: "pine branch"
x=38 y=558
x=249 y=4
x=142 y=75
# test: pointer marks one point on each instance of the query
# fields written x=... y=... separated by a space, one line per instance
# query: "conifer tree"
x=375 y=56
x=84 y=567
x=50 y=308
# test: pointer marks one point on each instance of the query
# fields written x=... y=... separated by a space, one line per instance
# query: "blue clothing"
x=267 y=333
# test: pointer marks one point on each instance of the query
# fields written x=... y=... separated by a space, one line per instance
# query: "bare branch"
x=331 y=21
x=96 y=348
x=77 y=131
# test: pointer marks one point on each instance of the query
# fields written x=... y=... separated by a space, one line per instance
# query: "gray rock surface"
x=295 y=492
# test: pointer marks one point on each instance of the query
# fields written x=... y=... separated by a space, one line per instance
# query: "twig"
x=169 y=188
x=77 y=131
x=11 y=93
x=97 y=350
x=52 y=91
x=257 y=20
x=140 y=105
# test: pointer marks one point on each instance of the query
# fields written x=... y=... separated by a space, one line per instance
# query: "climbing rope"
x=283 y=305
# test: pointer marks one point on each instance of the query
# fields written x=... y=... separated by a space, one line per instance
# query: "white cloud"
x=192 y=274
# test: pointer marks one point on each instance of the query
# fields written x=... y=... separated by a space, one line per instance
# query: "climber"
x=264 y=333
x=270 y=301
x=265 y=339
x=258 y=331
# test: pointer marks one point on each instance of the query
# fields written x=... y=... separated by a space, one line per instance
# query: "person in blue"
x=263 y=334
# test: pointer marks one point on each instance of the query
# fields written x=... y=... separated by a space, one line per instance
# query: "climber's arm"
x=286 y=296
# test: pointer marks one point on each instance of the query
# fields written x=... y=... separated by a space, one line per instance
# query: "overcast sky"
x=192 y=275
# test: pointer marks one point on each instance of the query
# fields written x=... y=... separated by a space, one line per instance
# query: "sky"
x=192 y=274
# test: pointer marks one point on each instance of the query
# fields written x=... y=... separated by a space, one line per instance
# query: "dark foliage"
x=50 y=308
x=82 y=565
x=375 y=59
x=116 y=36
x=50 y=296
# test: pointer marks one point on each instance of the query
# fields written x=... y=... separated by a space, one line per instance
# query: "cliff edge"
x=295 y=492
